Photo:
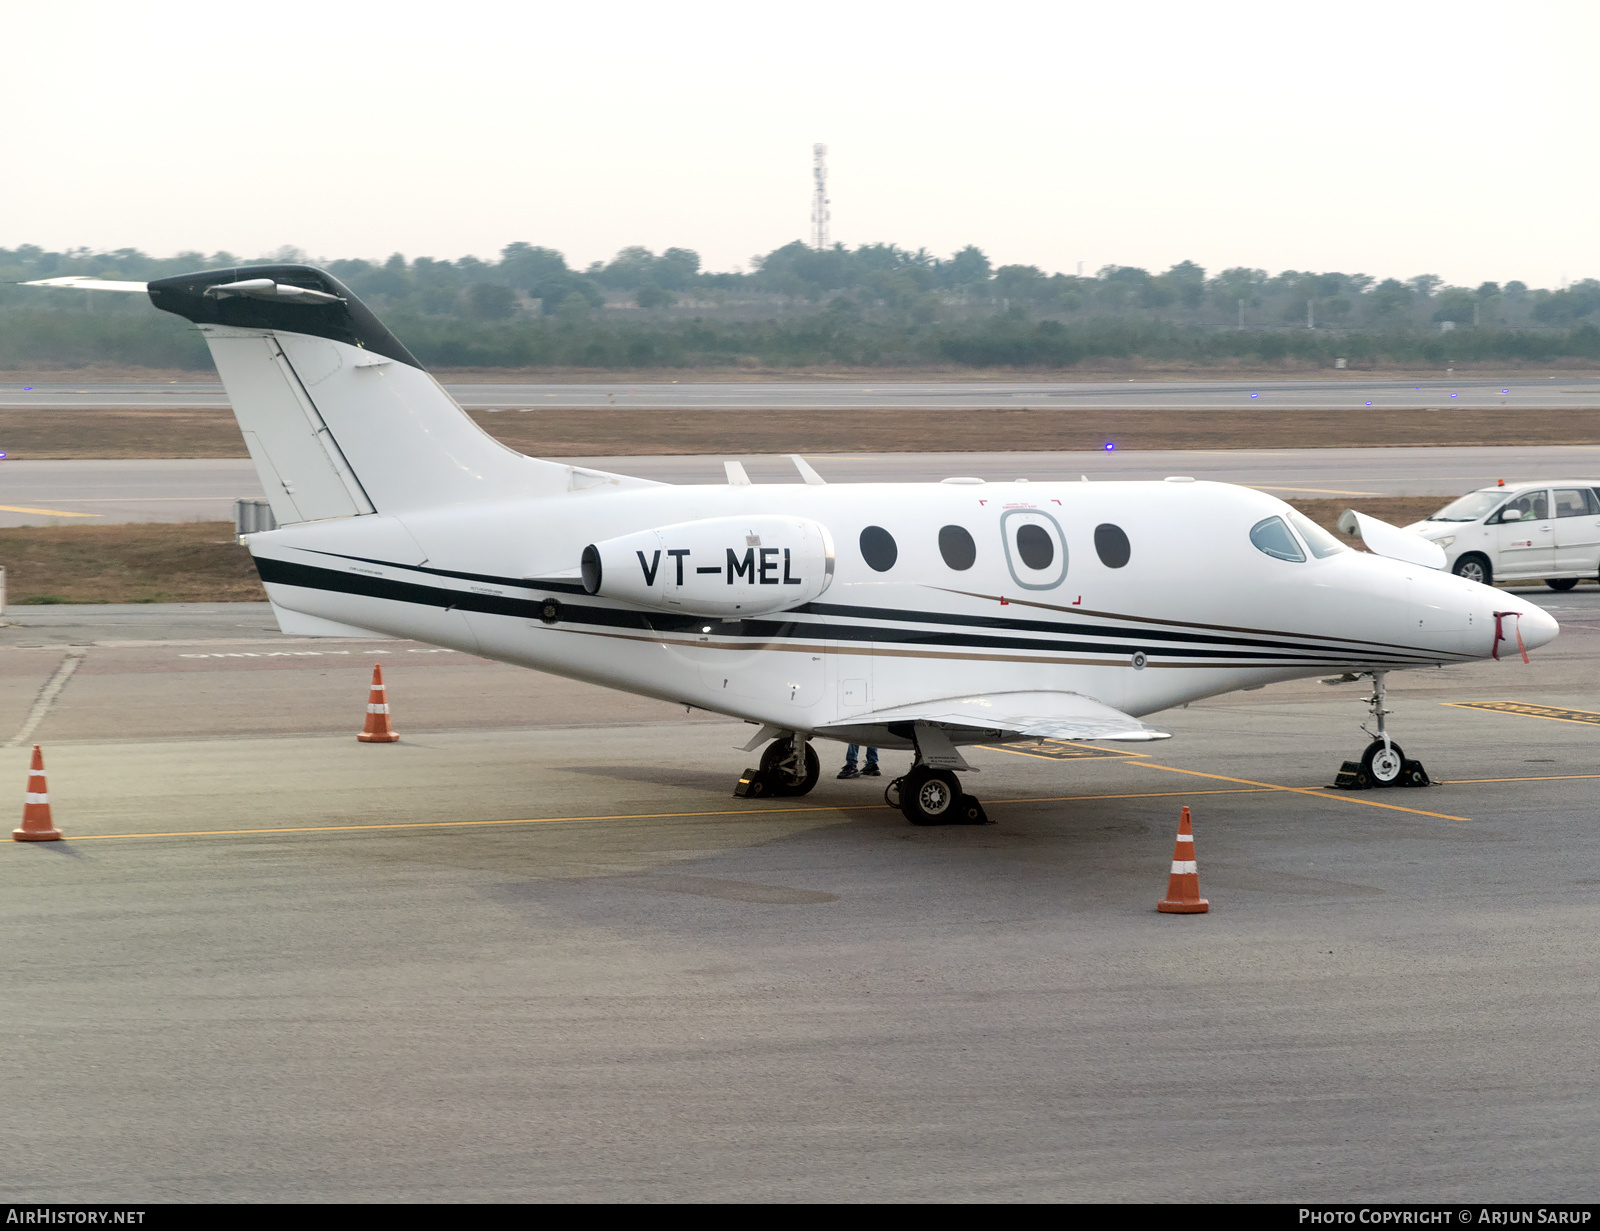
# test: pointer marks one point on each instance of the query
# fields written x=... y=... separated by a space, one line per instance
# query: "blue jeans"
x=851 y=752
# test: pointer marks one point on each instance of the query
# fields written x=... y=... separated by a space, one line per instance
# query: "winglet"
x=806 y=473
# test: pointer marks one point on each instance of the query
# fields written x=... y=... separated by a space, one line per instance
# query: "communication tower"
x=819 y=196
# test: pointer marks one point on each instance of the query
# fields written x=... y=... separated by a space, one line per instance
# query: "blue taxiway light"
x=1369 y=403
x=1109 y=446
x=1255 y=395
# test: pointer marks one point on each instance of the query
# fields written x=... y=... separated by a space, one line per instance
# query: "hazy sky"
x=1392 y=138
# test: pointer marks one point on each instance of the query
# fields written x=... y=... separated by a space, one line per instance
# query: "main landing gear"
x=925 y=795
x=928 y=796
x=1384 y=763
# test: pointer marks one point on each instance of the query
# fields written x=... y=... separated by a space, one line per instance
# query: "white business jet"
x=925 y=616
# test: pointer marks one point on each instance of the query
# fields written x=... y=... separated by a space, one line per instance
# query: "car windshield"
x=1322 y=543
x=1470 y=507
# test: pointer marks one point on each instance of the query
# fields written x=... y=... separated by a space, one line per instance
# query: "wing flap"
x=1045 y=715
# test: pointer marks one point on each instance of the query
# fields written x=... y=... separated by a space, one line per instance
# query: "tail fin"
x=339 y=417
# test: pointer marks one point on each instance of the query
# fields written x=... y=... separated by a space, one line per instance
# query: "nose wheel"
x=789 y=767
x=1384 y=763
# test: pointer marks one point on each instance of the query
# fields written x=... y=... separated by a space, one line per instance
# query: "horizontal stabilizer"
x=1047 y=715
x=1382 y=539
x=82 y=282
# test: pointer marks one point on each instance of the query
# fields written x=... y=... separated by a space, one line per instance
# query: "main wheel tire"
x=929 y=796
x=778 y=774
x=1475 y=567
x=1561 y=583
x=1383 y=765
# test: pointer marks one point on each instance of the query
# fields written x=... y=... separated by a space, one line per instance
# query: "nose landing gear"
x=789 y=767
x=1384 y=763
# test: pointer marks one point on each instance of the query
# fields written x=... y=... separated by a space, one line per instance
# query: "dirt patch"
x=1396 y=510
x=194 y=562
x=37 y=434
x=1083 y=373
x=617 y=430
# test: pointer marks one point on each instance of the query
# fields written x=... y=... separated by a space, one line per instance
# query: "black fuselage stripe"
x=311 y=577
x=1145 y=637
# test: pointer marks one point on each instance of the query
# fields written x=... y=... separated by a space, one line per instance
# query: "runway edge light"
x=1183 y=885
x=36 y=823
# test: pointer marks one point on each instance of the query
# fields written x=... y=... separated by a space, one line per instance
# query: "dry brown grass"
x=200 y=562
x=193 y=562
x=1396 y=510
x=617 y=430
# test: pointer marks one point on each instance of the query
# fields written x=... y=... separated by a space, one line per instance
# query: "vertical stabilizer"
x=340 y=418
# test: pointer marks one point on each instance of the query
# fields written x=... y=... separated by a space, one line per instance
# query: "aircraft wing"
x=1046 y=715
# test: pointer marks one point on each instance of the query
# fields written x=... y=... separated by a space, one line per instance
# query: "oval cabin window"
x=878 y=549
x=1111 y=545
x=1035 y=546
x=957 y=548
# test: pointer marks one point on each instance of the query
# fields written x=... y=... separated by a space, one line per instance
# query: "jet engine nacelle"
x=721 y=566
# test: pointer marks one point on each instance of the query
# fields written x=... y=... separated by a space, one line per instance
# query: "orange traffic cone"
x=1183 y=886
x=36 y=823
x=378 y=730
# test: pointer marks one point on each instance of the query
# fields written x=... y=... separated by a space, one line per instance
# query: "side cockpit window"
x=1272 y=536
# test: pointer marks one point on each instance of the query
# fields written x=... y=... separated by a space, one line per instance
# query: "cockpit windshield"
x=1470 y=507
x=1322 y=543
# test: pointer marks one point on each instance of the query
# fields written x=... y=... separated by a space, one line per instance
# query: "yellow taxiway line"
x=625 y=816
x=15 y=508
x=1319 y=792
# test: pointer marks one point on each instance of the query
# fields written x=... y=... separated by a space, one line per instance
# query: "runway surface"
x=536 y=951
x=45 y=492
x=1563 y=392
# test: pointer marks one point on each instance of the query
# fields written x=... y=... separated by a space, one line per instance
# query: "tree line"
x=873 y=305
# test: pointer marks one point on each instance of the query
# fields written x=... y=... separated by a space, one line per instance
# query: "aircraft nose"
x=1539 y=627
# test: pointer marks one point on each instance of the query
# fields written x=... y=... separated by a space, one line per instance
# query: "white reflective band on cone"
x=40 y=798
x=1186 y=837
x=377 y=709
x=1180 y=866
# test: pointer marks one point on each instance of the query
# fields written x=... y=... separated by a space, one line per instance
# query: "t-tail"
x=339 y=417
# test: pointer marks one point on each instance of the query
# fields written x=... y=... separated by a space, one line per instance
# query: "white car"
x=1522 y=532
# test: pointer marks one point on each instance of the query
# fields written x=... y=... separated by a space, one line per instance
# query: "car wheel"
x=1561 y=583
x=1475 y=568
